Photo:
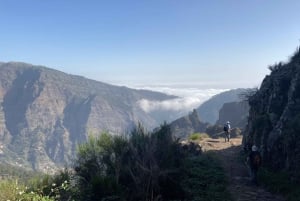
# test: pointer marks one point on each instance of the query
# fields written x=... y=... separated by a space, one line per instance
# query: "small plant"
x=13 y=191
x=9 y=190
x=56 y=193
x=32 y=196
x=198 y=136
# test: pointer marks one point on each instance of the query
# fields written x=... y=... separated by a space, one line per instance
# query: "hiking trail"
x=240 y=186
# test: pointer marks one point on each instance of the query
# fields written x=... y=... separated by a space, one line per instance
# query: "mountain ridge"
x=209 y=110
x=45 y=113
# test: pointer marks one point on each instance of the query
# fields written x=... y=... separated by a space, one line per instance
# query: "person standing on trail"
x=226 y=129
x=254 y=161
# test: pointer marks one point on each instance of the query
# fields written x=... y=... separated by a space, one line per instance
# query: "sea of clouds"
x=189 y=97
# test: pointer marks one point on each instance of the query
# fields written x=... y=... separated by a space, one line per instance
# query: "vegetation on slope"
x=143 y=166
x=204 y=179
x=280 y=182
x=42 y=123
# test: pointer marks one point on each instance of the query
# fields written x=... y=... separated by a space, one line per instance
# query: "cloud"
x=188 y=99
x=177 y=104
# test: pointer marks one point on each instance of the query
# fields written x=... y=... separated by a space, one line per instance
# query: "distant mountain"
x=274 y=118
x=45 y=113
x=235 y=112
x=216 y=110
x=209 y=110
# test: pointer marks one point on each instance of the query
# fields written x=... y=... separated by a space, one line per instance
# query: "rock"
x=274 y=117
x=187 y=125
x=190 y=147
x=235 y=112
x=209 y=110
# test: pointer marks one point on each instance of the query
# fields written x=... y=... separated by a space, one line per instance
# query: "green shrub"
x=143 y=167
x=204 y=179
x=98 y=165
x=198 y=136
x=280 y=182
x=54 y=186
x=11 y=190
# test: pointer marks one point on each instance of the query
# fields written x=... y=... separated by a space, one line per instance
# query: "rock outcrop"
x=45 y=114
x=187 y=125
x=209 y=110
x=235 y=112
x=274 y=117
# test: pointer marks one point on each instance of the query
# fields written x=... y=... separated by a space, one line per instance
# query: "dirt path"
x=239 y=181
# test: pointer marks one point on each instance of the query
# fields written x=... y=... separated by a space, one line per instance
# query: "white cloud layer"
x=188 y=99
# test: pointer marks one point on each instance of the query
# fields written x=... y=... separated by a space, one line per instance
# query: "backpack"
x=225 y=128
x=256 y=160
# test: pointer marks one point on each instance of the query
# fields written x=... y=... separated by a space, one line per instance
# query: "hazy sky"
x=209 y=43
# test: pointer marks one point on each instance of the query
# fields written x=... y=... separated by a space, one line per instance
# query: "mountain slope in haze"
x=235 y=112
x=209 y=110
x=274 y=118
x=45 y=113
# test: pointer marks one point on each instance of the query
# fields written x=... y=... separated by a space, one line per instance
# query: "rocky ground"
x=240 y=186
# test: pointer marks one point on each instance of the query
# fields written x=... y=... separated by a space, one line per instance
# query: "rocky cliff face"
x=209 y=110
x=187 y=125
x=219 y=106
x=45 y=113
x=274 y=117
x=235 y=112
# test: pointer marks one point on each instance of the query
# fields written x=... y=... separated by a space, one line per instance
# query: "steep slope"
x=274 y=117
x=45 y=113
x=187 y=125
x=235 y=112
x=209 y=110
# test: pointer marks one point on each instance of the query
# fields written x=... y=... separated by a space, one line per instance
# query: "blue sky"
x=207 y=43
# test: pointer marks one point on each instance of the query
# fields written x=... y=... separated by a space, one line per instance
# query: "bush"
x=11 y=190
x=54 y=186
x=98 y=166
x=143 y=167
x=198 y=136
x=280 y=182
x=204 y=179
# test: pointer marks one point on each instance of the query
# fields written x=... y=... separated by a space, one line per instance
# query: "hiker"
x=227 y=131
x=254 y=162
